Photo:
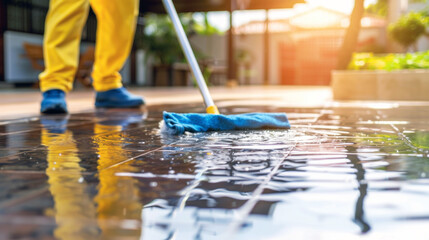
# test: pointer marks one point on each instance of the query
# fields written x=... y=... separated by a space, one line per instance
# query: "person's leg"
x=118 y=196
x=63 y=29
x=74 y=208
x=116 y=23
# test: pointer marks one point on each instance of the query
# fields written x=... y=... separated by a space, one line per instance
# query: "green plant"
x=159 y=39
x=160 y=42
x=378 y=8
x=369 y=61
x=408 y=29
x=419 y=139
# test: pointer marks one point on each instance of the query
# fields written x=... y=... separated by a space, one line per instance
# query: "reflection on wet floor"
x=345 y=171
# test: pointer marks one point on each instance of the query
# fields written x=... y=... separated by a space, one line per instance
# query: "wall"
x=1 y=58
x=215 y=46
x=3 y=26
x=18 y=68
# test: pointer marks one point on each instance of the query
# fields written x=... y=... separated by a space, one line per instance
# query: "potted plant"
x=386 y=77
x=408 y=29
x=160 y=43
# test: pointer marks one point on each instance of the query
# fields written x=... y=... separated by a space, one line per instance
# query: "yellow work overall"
x=116 y=22
x=118 y=196
x=73 y=208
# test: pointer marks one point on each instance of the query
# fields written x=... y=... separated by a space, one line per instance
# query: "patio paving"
x=345 y=170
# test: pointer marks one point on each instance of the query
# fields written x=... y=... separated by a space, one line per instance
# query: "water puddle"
x=344 y=172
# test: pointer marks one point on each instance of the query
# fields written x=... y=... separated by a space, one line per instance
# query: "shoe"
x=54 y=123
x=53 y=102
x=121 y=117
x=117 y=98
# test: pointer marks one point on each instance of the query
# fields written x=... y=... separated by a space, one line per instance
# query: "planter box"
x=407 y=85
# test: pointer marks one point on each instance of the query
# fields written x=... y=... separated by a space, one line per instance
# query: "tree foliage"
x=408 y=29
x=369 y=61
x=378 y=8
x=381 y=7
x=160 y=41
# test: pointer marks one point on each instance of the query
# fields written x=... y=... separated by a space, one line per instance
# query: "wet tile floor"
x=345 y=171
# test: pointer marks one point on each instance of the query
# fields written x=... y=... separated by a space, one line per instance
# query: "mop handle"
x=192 y=61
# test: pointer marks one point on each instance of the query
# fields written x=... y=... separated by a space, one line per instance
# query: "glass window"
x=29 y=16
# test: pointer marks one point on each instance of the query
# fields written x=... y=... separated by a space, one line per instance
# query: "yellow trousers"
x=116 y=23
x=118 y=196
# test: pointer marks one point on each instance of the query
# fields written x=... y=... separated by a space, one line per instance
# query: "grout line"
x=36 y=129
x=28 y=196
x=132 y=158
x=247 y=208
x=40 y=128
x=140 y=155
x=41 y=146
x=186 y=193
x=22 y=152
x=407 y=140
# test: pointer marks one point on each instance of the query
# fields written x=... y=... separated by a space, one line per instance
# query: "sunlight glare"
x=220 y=19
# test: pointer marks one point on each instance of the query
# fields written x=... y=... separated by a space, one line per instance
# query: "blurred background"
x=237 y=42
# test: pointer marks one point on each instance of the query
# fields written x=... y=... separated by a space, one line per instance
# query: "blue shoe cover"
x=53 y=102
x=54 y=123
x=117 y=98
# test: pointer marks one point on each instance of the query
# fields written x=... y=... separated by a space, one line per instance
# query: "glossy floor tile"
x=351 y=170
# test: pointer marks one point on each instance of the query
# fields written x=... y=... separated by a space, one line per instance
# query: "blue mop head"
x=177 y=124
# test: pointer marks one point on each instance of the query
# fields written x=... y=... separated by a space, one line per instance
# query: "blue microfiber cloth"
x=178 y=123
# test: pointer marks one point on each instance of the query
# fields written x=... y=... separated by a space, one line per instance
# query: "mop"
x=179 y=123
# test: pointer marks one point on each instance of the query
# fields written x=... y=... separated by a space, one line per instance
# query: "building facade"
x=22 y=21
